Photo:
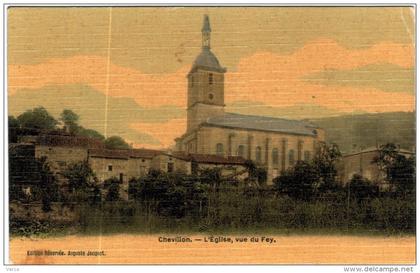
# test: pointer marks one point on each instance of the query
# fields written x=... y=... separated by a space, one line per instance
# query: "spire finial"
x=206 y=30
x=206 y=24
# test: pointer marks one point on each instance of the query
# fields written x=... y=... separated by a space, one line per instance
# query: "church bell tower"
x=205 y=84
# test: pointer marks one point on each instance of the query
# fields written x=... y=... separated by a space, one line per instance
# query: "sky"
x=123 y=69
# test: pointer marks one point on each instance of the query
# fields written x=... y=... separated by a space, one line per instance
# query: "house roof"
x=108 y=153
x=124 y=154
x=261 y=123
x=375 y=149
x=144 y=153
x=68 y=140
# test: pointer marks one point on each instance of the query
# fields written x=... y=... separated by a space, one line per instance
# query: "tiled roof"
x=124 y=154
x=262 y=123
x=375 y=149
x=144 y=153
x=108 y=153
x=181 y=155
x=21 y=150
x=66 y=140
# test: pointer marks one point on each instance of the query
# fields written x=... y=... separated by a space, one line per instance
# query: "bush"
x=298 y=182
x=207 y=202
x=361 y=188
x=113 y=189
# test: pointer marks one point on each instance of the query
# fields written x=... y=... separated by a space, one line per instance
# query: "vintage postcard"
x=211 y=135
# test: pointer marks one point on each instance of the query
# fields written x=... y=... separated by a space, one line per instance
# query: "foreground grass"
x=110 y=230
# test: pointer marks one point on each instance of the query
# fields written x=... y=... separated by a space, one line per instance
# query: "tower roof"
x=206 y=59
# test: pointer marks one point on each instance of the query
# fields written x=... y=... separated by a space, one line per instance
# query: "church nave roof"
x=261 y=123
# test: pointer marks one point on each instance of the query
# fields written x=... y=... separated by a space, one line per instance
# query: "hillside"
x=353 y=132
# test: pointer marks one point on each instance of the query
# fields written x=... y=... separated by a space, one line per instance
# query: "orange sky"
x=270 y=77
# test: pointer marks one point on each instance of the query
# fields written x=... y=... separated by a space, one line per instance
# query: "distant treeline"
x=355 y=132
x=38 y=120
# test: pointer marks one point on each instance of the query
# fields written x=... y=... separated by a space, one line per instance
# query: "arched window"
x=291 y=157
x=258 y=154
x=275 y=156
x=275 y=172
x=219 y=149
x=307 y=156
x=211 y=78
x=241 y=150
x=299 y=152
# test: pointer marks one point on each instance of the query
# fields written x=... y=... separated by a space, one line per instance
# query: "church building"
x=272 y=143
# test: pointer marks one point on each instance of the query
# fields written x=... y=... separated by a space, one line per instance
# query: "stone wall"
x=33 y=211
x=138 y=167
x=227 y=170
x=360 y=163
x=163 y=161
x=60 y=157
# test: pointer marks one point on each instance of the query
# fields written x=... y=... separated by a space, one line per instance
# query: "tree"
x=113 y=189
x=13 y=122
x=90 y=133
x=80 y=176
x=37 y=118
x=400 y=171
x=13 y=125
x=48 y=184
x=96 y=195
x=211 y=176
x=298 y=182
x=324 y=162
x=70 y=120
x=361 y=188
x=116 y=142
x=256 y=175
x=174 y=194
x=402 y=174
x=387 y=154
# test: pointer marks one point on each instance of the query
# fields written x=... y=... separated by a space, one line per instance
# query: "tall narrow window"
x=170 y=167
x=241 y=150
x=275 y=173
x=258 y=154
x=283 y=154
x=291 y=157
x=300 y=147
x=275 y=156
x=142 y=170
x=307 y=156
x=211 y=78
x=219 y=149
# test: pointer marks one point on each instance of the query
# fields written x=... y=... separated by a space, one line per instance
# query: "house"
x=361 y=163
